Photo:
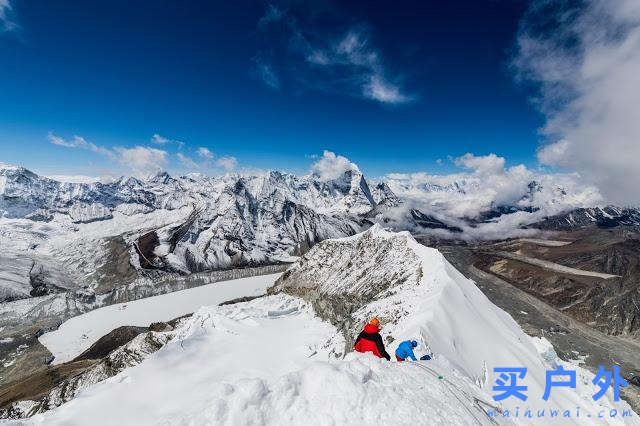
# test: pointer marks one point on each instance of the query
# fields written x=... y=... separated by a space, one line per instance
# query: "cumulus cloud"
x=6 y=21
x=554 y=154
x=481 y=164
x=79 y=142
x=139 y=161
x=486 y=184
x=143 y=161
x=160 y=140
x=208 y=162
x=344 y=62
x=331 y=166
x=205 y=153
x=585 y=56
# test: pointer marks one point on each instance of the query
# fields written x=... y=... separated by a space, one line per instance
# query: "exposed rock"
x=239 y=300
x=116 y=338
x=602 y=217
x=236 y=221
x=338 y=277
x=58 y=384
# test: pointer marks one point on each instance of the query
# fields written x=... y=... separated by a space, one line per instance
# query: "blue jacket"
x=405 y=350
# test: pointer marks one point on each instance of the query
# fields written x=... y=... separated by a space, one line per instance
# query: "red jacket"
x=369 y=340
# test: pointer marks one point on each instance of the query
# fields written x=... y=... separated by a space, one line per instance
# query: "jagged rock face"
x=341 y=276
x=256 y=221
x=25 y=194
x=23 y=275
x=60 y=384
x=235 y=221
x=603 y=217
x=361 y=266
x=382 y=194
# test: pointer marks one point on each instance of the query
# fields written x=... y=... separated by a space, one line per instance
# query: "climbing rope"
x=476 y=400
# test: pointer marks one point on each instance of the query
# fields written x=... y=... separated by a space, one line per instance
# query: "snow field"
x=269 y=361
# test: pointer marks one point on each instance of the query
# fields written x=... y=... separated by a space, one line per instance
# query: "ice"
x=77 y=334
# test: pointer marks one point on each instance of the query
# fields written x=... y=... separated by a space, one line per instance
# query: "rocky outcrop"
x=339 y=277
x=112 y=341
x=24 y=275
x=122 y=348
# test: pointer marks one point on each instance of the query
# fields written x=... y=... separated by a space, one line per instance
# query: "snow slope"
x=77 y=334
x=418 y=294
x=272 y=361
x=268 y=361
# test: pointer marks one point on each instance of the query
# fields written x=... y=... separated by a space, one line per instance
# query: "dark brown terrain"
x=608 y=304
x=578 y=289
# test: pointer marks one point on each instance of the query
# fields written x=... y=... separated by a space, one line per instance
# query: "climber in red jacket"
x=369 y=340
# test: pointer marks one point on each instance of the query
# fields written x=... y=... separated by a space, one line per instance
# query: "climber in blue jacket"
x=405 y=350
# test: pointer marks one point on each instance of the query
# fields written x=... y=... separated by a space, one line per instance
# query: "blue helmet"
x=414 y=343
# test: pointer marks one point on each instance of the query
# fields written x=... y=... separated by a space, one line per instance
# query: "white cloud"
x=588 y=70
x=228 y=163
x=331 y=166
x=161 y=140
x=491 y=163
x=80 y=142
x=266 y=72
x=187 y=162
x=354 y=51
x=318 y=57
x=554 y=154
x=143 y=161
x=341 y=63
x=382 y=91
x=205 y=153
x=139 y=161
x=488 y=184
x=6 y=23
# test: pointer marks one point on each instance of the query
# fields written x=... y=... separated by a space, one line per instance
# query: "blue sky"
x=392 y=86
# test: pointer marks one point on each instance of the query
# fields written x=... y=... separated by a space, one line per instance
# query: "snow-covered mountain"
x=207 y=222
x=197 y=223
x=280 y=359
x=604 y=217
x=484 y=195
